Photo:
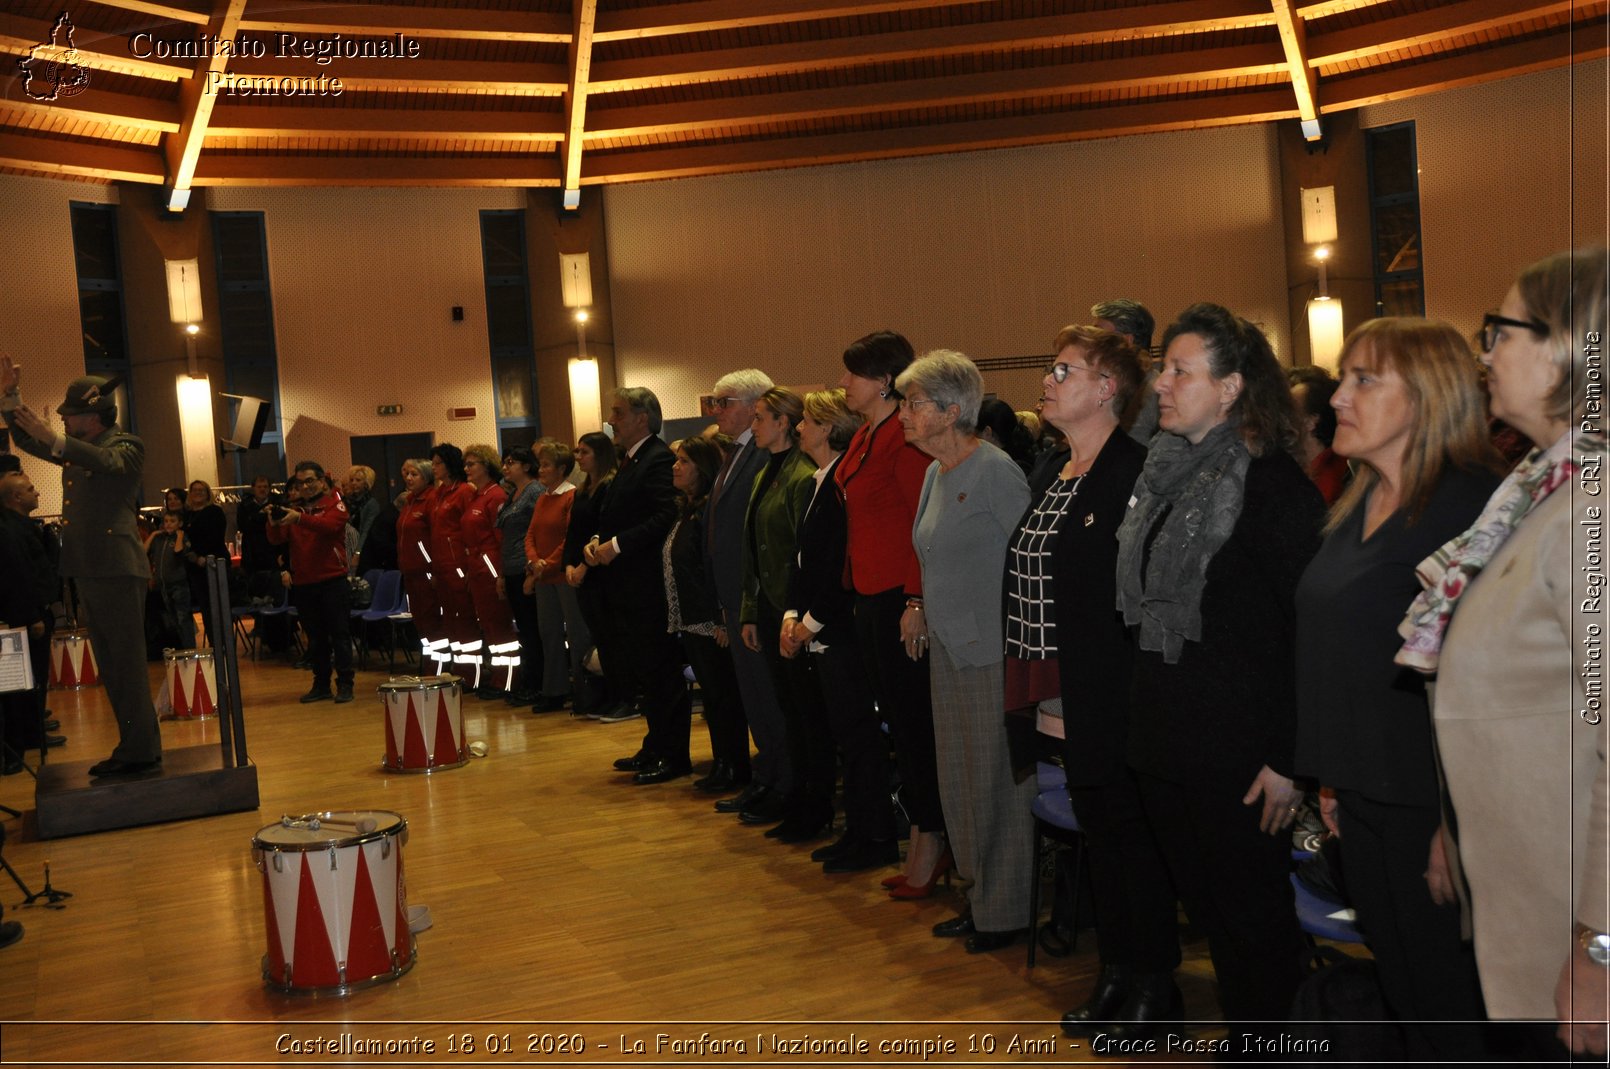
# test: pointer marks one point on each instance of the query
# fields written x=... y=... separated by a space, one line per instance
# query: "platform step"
x=192 y=783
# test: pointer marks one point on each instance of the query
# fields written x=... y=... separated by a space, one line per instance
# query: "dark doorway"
x=385 y=453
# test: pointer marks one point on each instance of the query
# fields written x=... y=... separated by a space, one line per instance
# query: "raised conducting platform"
x=192 y=783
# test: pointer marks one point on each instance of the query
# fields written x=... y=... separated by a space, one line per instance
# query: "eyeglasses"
x=1059 y=371
x=1492 y=321
x=722 y=402
x=916 y=402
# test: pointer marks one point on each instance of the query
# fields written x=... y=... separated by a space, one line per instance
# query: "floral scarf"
x=1448 y=573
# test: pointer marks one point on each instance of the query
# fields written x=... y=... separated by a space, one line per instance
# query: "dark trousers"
x=647 y=661
x=1235 y=882
x=115 y=611
x=810 y=747
x=901 y=688
x=723 y=710
x=1137 y=925
x=853 y=723
x=324 y=609
x=617 y=686
x=1428 y=972
x=524 y=608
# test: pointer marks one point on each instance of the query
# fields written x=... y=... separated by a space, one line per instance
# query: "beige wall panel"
x=364 y=281
x=39 y=318
x=990 y=253
x=1503 y=167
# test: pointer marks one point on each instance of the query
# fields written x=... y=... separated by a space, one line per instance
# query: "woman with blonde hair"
x=1410 y=416
x=1512 y=622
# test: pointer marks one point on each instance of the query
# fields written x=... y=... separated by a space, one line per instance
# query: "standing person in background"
x=563 y=632
x=25 y=602
x=1222 y=523
x=881 y=479
x=101 y=467
x=596 y=459
x=1134 y=322
x=499 y=645
x=316 y=531
x=414 y=557
x=257 y=553
x=514 y=524
x=204 y=526
x=450 y=565
x=357 y=490
x=732 y=406
x=166 y=551
x=1311 y=391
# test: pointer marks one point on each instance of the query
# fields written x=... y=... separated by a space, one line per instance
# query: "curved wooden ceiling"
x=566 y=93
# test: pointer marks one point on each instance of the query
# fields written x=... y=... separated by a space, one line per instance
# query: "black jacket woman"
x=1222 y=524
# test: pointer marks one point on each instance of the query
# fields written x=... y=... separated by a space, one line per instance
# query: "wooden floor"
x=564 y=901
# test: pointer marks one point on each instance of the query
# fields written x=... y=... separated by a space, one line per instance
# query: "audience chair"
x=388 y=599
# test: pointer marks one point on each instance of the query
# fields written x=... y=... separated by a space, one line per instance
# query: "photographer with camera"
x=316 y=531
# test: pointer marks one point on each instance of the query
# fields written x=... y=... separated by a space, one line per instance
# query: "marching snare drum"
x=333 y=901
x=424 y=726
x=72 y=660
x=192 y=686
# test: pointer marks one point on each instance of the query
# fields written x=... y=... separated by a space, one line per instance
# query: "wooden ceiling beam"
x=1325 y=8
x=406 y=124
x=1452 y=72
x=107 y=162
x=167 y=12
x=196 y=99
x=19 y=36
x=534 y=79
x=103 y=106
x=706 y=16
x=1090 y=27
x=1168 y=68
x=581 y=62
x=1426 y=28
x=1304 y=83
x=1152 y=117
x=374 y=20
x=436 y=171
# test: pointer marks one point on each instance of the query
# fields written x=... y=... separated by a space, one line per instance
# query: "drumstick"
x=313 y=823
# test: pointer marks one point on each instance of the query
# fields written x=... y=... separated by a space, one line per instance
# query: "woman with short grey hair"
x=971 y=498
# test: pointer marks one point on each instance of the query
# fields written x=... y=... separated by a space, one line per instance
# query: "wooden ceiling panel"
x=677 y=87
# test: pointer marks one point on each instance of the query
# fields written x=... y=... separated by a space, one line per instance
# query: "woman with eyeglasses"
x=1223 y=522
x=1512 y=623
x=970 y=496
x=1409 y=414
x=881 y=479
x=1069 y=656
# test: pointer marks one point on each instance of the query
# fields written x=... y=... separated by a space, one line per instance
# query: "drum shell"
x=192 y=684
x=335 y=904
x=72 y=660
x=424 y=724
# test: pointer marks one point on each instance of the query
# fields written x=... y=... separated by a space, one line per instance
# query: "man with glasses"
x=316 y=530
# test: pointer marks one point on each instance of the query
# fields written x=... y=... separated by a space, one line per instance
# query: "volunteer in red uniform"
x=497 y=650
x=317 y=533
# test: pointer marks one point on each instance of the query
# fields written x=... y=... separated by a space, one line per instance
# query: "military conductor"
x=101 y=549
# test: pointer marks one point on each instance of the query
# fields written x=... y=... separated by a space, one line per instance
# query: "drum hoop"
x=393 y=830
x=410 y=684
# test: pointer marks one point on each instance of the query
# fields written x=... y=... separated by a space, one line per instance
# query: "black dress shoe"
x=487 y=693
x=550 y=703
x=658 y=771
x=862 y=855
x=716 y=767
x=113 y=767
x=522 y=697
x=635 y=763
x=764 y=809
x=803 y=829
x=343 y=693
x=52 y=725
x=984 y=942
x=722 y=779
x=743 y=798
x=1112 y=990
x=53 y=741
x=10 y=932
x=956 y=926
x=317 y=694
x=1154 y=1008
x=838 y=847
x=11 y=766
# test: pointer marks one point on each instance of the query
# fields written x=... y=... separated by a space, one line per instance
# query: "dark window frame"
x=226 y=252
x=504 y=354
x=1374 y=140
x=96 y=363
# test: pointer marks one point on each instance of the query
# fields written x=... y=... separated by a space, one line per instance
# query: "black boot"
x=1154 y=1008
x=1111 y=992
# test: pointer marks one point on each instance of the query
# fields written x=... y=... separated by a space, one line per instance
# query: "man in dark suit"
x=732 y=406
x=25 y=602
x=101 y=548
x=633 y=521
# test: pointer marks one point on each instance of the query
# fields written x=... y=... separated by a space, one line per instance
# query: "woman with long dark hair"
x=596 y=459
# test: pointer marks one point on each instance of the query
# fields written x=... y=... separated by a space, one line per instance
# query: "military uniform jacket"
x=100 y=495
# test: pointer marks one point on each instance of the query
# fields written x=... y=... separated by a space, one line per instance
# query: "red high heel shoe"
x=897 y=880
x=909 y=890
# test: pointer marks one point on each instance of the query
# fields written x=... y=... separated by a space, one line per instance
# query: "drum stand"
x=53 y=898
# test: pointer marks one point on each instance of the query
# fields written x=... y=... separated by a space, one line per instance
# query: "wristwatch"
x=1597 y=944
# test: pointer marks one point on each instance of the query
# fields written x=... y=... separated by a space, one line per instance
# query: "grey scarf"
x=1198 y=492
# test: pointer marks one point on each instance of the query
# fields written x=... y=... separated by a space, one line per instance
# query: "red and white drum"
x=424 y=725
x=192 y=686
x=72 y=660
x=334 y=901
